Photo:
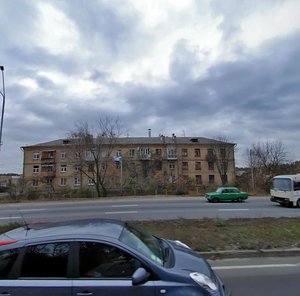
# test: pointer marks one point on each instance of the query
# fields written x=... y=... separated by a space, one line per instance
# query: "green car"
x=226 y=194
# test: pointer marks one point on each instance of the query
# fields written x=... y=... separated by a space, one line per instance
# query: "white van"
x=286 y=190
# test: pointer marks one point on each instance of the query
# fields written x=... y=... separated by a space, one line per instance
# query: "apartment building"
x=129 y=162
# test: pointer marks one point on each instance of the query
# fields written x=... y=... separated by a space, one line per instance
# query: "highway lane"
x=260 y=276
x=150 y=208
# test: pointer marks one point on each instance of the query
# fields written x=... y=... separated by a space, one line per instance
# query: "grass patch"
x=239 y=234
x=217 y=234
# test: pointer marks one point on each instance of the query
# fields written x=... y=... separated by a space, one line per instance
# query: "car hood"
x=188 y=260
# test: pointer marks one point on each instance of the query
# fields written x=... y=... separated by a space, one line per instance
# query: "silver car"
x=100 y=257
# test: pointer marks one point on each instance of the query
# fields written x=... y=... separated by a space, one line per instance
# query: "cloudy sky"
x=191 y=67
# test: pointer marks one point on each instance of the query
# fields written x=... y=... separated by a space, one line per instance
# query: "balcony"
x=48 y=171
x=172 y=156
x=48 y=157
x=145 y=156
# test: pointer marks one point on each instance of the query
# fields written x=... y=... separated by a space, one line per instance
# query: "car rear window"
x=47 y=260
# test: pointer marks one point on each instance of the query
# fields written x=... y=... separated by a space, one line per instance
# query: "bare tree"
x=221 y=155
x=264 y=161
x=93 y=148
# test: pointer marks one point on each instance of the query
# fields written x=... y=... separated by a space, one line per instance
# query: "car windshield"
x=219 y=190
x=143 y=242
x=283 y=184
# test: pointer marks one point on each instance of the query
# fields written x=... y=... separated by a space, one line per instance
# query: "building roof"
x=143 y=141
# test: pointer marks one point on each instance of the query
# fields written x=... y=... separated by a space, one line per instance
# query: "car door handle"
x=84 y=294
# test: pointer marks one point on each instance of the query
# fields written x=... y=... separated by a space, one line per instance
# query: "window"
x=49 y=181
x=145 y=153
x=7 y=259
x=185 y=166
x=47 y=260
x=89 y=154
x=198 y=179
x=36 y=169
x=118 y=153
x=35 y=183
x=197 y=165
x=172 y=165
x=104 y=261
x=131 y=152
x=158 y=165
x=77 y=154
x=145 y=243
x=197 y=152
x=63 y=181
x=184 y=152
x=77 y=167
x=158 y=151
x=211 y=179
x=211 y=165
x=63 y=168
x=210 y=152
x=77 y=181
x=36 y=155
x=63 y=155
x=172 y=153
x=296 y=185
x=49 y=154
x=90 y=181
x=172 y=179
x=91 y=167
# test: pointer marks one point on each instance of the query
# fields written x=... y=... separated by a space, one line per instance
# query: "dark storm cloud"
x=102 y=26
x=253 y=97
x=25 y=60
x=255 y=93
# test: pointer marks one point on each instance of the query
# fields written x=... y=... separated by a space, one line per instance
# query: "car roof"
x=76 y=228
x=224 y=187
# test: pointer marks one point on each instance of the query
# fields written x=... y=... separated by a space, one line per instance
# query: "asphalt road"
x=260 y=276
x=151 y=208
x=248 y=276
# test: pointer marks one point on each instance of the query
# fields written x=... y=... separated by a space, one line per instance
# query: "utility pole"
x=3 y=103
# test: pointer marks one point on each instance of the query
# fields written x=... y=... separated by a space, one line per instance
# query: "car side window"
x=7 y=260
x=99 y=260
x=46 y=260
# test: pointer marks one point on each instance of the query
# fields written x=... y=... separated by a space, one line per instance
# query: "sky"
x=207 y=68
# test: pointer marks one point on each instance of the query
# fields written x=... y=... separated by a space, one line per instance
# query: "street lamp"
x=3 y=103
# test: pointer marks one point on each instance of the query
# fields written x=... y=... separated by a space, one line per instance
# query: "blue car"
x=100 y=257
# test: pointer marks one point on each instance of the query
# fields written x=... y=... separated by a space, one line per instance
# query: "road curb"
x=214 y=255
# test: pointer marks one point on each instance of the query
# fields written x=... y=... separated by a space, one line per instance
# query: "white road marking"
x=255 y=266
x=11 y=217
x=223 y=210
x=32 y=210
x=124 y=206
x=125 y=212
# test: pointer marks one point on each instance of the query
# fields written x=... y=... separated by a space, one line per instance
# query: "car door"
x=106 y=270
x=41 y=271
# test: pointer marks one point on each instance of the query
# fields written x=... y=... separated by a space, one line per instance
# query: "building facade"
x=131 y=162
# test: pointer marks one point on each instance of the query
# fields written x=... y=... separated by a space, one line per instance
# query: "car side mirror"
x=140 y=276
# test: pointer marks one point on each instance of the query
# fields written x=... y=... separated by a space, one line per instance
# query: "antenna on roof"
x=25 y=224
x=2 y=93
